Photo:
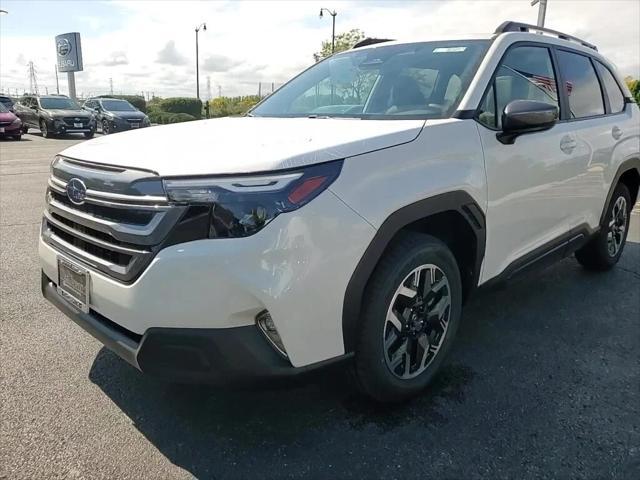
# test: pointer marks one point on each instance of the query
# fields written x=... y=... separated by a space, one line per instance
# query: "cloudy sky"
x=145 y=45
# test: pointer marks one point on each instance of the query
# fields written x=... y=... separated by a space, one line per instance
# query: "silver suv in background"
x=348 y=216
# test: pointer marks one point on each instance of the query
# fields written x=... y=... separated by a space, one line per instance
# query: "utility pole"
x=57 y=83
x=202 y=26
x=33 y=81
x=110 y=86
x=208 y=88
x=542 y=11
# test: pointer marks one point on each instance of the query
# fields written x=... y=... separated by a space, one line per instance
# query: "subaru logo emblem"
x=76 y=191
x=63 y=47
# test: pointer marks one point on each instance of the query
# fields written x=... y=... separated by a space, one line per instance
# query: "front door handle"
x=616 y=132
x=567 y=144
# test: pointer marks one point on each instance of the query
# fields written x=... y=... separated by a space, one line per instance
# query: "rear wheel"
x=411 y=312
x=603 y=251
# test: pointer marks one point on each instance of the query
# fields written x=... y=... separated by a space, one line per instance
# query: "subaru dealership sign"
x=69 y=52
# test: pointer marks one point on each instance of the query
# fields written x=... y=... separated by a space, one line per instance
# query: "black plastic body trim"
x=221 y=356
x=630 y=164
x=545 y=255
x=458 y=201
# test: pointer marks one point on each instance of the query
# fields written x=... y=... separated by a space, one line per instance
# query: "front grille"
x=114 y=232
x=134 y=120
x=4 y=124
x=69 y=121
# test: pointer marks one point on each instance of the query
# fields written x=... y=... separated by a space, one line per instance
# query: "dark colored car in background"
x=7 y=101
x=54 y=115
x=10 y=125
x=116 y=115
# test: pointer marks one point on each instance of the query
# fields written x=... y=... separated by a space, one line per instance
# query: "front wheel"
x=25 y=130
x=604 y=249
x=89 y=134
x=411 y=312
x=105 y=128
x=17 y=137
x=45 y=131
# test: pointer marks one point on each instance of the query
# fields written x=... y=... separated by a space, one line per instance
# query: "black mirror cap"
x=526 y=116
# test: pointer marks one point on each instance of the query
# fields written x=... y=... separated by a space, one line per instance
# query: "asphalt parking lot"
x=544 y=382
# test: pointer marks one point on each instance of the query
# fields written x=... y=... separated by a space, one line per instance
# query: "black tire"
x=89 y=134
x=25 y=130
x=598 y=254
x=44 y=130
x=373 y=370
x=105 y=128
x=17 y=137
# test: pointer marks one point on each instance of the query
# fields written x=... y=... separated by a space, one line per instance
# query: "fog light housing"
x=268 y=328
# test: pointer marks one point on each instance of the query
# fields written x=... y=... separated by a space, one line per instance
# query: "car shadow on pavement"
x=324 y=427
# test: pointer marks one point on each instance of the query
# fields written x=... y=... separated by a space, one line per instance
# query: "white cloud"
x=262 y=41
x=169 y=55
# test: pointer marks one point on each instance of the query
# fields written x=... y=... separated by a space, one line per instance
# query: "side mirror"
x=526 y=116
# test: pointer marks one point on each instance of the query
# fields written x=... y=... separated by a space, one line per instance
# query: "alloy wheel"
x=417 y=321
x=617 y=226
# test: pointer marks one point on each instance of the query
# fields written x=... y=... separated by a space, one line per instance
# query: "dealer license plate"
x=73 y=284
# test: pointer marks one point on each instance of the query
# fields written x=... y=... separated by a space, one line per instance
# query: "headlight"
x=146 y=121
x=58 y=121
x=16 y=121
x=242 y=205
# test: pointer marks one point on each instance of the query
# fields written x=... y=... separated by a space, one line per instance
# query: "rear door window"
x=581 y=85
x=612 y=89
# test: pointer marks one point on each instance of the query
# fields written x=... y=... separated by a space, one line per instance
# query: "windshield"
x=3 y=108
x=6 y=101
x=418 y=80
x=117 y=106
x=61 y=103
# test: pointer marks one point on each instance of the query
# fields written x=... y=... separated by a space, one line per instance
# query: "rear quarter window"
x=611 y=88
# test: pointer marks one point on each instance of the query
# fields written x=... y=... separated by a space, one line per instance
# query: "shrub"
x=191 y=106
x=162 y=117
x=135 y=100
x=225 y=106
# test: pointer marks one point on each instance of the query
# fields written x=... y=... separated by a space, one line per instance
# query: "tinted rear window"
x=581 y=85
x=612 y=89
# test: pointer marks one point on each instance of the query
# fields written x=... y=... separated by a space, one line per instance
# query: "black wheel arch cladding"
x=457 y=201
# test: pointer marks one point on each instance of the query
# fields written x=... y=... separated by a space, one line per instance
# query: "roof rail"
x=509 y=26
x=371 y=41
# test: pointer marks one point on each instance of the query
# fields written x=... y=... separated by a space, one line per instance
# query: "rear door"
x=527 y=181
x=592 y=135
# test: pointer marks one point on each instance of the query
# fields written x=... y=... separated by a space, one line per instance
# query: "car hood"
x=7 y=117
x=139 y=115
x=66 y=113
x=244 y=144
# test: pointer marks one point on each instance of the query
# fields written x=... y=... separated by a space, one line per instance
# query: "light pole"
x=542 y=11
x=333 y=30
x=202 y=26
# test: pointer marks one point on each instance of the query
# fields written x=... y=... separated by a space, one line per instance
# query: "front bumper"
x=123 y=125
x=226 y=356
x=10 y=130
x=61 y=128
x=297 y=268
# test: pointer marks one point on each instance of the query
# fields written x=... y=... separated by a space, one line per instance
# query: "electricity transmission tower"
x=33 y=80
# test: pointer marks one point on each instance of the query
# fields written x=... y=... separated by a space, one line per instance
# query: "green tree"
x=344 y=41
x=634 y=86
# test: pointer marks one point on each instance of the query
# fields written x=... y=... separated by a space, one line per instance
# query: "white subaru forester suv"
x=350 y=214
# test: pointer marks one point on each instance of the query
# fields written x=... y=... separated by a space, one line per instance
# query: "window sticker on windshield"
x=449 y=49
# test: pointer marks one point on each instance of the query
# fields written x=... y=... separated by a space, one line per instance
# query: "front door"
x=528 y=181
